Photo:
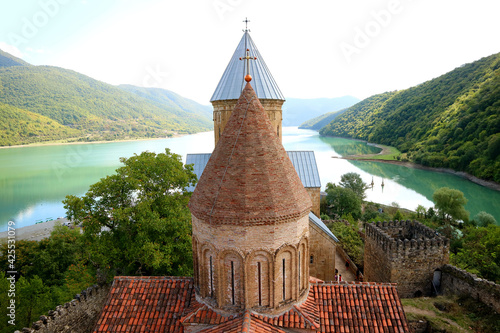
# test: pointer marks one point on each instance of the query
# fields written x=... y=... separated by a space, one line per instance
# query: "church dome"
x=249 y=178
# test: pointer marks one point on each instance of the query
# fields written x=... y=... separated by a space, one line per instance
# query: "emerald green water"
x=34 y=180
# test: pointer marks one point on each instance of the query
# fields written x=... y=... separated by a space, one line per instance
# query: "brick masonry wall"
x=314 y=193
x=78 y=316
x=322 y=248
x=223 y=110
x=390 y=256
x=247 y=245
x=460 y=282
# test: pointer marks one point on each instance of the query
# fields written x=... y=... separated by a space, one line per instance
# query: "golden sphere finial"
x=248 y=78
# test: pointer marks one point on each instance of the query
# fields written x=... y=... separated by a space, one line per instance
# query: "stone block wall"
x=460 y=282
x=77 y=316
x=322 y=250
x=224 y=108
x=314 y=193
x=406 y=253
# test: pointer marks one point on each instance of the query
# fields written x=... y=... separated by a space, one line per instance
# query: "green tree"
x=353 y=181
x=342 y=201
x=136 y=221
x=33 y=298
x=450 y=204
x=484 y=219
x=480 y=252
x=350 y=240
x=420 y=211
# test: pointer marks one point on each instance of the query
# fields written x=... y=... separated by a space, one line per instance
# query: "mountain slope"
x=319 y=122
x=297 y=110
x=19 y=126
x=93 y=109
x=452 y=121
x=166 y=98
x=7 y=60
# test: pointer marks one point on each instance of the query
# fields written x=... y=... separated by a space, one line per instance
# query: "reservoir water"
x=34 y=180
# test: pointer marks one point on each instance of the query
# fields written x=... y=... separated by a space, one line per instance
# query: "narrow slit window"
x=232 y=282
x=260 y=283
x=211 y=278
x=284 y=280
x=311 y=260
x=300 y=284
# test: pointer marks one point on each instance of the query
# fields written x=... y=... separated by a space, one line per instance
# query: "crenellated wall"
x=77 y=316
x=460 y=282
x=404 y=252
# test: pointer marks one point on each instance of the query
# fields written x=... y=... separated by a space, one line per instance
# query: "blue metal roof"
x=305 y=165
x=316 y=220
x=233 y=80
x=199 y=162
x=303 y=161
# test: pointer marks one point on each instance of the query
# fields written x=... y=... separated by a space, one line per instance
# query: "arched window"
x=258 y=269
x=232 y=287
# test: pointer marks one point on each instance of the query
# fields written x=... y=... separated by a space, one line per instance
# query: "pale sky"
x=316 y=48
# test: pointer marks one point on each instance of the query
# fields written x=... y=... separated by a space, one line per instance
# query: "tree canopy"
x=353 y=181
x=480 y=252
x=341 y=201
x=136 y=222
x=450 y=204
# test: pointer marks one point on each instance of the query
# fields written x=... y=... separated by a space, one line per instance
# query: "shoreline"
x=36 y=232
x=485 y=183
x=52 y=143
x=385 y=149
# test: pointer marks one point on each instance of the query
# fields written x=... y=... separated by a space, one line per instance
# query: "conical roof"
x=232 y=82
x=249 y=178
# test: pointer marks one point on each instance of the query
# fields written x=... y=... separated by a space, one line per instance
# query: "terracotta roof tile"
x=360 y=307
x=166 y=304
x=140 y=304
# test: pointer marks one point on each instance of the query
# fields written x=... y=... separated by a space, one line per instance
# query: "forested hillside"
x=86 y=109
x=175 y=102
x=452 y=121
x=7 y=60
x=319 y=122
x=23 y=127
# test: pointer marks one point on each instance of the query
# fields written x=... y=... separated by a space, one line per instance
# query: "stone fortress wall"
x=77 y=316
x=460 y=282
x=404 y=252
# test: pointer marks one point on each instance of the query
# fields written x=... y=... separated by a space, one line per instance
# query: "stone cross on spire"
x=247 y=57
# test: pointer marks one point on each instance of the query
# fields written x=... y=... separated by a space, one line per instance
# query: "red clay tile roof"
x=166 y=304
x=249 y=178
x=203 y=315
x=146 y=304
x=360 y=307
x=248 y=323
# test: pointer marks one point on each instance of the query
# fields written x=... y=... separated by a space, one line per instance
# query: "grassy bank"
x=452 y=314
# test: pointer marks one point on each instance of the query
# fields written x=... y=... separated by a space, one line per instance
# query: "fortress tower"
x=250 y=216
x=405 y=252
x=232 y=83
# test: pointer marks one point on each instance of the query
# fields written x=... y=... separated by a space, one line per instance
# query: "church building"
x=251 y=250
x=247 y=58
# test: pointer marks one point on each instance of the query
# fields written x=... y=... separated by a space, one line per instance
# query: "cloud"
x=11 y=49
